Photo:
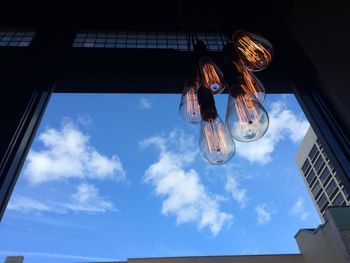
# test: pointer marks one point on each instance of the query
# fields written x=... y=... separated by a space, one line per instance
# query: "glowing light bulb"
x=215 y=143
x=254 y=51
x=253 y=83
x=211 y=75
x=189 y=108
x=246 y=118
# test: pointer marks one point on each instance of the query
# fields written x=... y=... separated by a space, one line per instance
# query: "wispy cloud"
x=299 y=210
x=85 y=120
x=231 y=174
x=145 y=103
x=283 y=124
x=68 y=153
x=53 y=255
x=85 y=199
x=264 y=213
x=185 y=196
x=238 y=194
x=26 y=204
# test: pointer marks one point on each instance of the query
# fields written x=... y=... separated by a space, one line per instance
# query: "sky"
x=117 y=176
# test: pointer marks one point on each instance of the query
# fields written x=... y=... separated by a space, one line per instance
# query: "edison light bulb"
x=189 y=107
x=254 y=51
x=211 y=75
x=215 y=143
x=253 y=84
x=246 y=118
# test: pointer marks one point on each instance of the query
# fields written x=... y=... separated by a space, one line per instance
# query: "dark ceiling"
x=90 y=70
x=143 y=14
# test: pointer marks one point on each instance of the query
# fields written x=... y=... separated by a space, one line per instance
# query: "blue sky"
x=111 y=177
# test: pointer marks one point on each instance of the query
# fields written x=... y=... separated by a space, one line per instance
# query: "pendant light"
x=254 y=51
x=189 y=108
x=215 y=143
x=246 y=118
x=210 y=74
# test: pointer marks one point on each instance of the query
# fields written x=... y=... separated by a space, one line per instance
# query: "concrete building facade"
x=319 y=175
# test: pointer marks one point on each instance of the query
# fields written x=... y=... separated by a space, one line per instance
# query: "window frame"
x=45 y=47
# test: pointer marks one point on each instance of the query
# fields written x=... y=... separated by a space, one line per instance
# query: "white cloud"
x=85 y=120
x=68 y=153
x=298 y=209
x=238 y=194
x=283 y=124
x=264 y=214
x=85 y=199
x=25 y=204
x=145 y=103
x=185 y=196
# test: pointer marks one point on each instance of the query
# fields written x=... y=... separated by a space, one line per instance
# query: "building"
x=319 y=175
x=14 y=259
x=330 y=242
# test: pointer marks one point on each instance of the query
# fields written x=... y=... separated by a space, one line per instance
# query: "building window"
x=316 y=189
x=339 y=200
x=306 y=166
x=16 y=37
x=311 y=177
x=155 y=40
x=331 y=189
x=338 y=180
x=313 y=153
x=325 y=176
x=322 y=201
x=319 y=164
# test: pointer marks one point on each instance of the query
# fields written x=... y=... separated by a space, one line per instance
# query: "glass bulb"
x=211 y=75
x=215 y=143
x=246 y=118
x=254 y=84
x=189 y=108
x=254 y=51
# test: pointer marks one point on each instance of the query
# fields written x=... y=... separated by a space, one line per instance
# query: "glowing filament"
x=253 y=52
x=246 y=109
x=192 y=106
x=211 y=137
x=210 y=75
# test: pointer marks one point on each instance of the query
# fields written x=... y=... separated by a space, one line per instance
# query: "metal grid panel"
x=16 y=37
x=157 y=40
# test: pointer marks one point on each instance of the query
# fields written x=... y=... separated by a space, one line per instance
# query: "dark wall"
x=322 y=28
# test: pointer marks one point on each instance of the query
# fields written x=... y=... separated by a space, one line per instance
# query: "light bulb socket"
x=190 y=84
x=206 y=103
x=200 y=48
x=237 y=89
x=232 y=73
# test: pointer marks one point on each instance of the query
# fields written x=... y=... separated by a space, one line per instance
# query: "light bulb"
x=246 y=118
x=254 y=51
x=189 y=107
x=215 y=143
x=253 y=84
x=211 y=75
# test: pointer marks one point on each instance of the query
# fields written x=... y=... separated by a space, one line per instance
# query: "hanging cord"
x=195 y=34
x=222 y=41
x=196 y=61
x=188 y=41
